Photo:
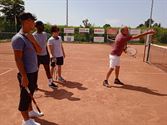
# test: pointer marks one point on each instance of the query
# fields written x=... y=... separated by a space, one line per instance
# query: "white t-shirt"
x=42 y=40
x=56 y=44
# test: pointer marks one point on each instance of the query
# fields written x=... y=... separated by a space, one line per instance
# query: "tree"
x=106 y=26
x=86 y=23
x=147 y=22
x=11 y=10
x=157 y=25
x=140 y=25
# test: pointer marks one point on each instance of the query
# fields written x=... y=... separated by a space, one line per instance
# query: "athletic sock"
x=50 y=81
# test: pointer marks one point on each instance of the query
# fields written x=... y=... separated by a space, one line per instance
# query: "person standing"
x=43 y=57
x=119 y=46
x=25 y=49
x=56 y=52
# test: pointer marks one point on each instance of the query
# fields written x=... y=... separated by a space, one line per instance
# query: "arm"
x=143 y=34
x=31 y=38
x=63 y=50
x=50 y=50
x=20 y=65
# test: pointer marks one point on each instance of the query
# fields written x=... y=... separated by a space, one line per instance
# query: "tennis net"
x=158 y=56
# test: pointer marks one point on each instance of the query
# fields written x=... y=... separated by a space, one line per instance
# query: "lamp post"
x=148 y=36
x=66 y=12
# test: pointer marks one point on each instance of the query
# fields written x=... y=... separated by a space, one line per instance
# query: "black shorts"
x=43 y=59
x=59 y=61
x=25 y=99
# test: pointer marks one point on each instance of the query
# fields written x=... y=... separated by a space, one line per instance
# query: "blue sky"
x=98 y=12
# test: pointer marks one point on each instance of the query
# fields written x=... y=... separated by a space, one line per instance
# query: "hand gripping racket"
x=131 y=51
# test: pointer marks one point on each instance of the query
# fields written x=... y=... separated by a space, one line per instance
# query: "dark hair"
x=26 y=15
x=38 y=23
x=54 y=29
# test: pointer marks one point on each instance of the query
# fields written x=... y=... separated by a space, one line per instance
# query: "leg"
x=112 y=64
x=105 y=82
x=47 y=71
x=25 y=115
x=117 y=81
x=59 y=71
x=25 y=104
x=109 y=73
x=45 y=60
x=52 y=70
x=117 y=68
x=24 y=100
x=60 y=62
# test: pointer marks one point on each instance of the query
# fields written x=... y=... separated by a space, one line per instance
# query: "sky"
x=99 y=12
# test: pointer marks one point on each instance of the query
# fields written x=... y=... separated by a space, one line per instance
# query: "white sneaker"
x=30 y=122
x=35 y=114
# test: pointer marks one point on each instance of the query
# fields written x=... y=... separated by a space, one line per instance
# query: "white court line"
x=6 y=72
x=6 y=61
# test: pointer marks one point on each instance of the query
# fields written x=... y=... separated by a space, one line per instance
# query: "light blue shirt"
x=19 y=42
x=41 y=38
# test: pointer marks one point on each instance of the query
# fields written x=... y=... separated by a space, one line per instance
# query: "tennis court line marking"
x=6 y=71
x=6 y=61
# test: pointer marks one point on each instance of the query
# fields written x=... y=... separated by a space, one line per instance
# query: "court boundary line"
x=6 y=71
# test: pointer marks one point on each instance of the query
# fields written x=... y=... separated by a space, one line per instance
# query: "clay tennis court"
x=83 y=100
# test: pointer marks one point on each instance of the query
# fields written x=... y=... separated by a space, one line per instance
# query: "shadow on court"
x=72 y=84
x=60 y=94
x=44 y=122
x=140 y=89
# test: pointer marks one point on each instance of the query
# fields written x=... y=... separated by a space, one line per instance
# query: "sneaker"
x=117 y=81
x=35 y=114
x=105 y=83
x=53 y=86
x=61 y=79
x=30 y=122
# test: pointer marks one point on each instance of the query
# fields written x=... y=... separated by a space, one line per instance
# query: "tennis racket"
x=27 y=89
x=131 y=51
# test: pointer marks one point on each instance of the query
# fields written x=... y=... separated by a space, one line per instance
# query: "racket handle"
x=27 y=89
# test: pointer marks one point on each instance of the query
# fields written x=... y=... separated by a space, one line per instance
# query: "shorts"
x=59 y=61
x=25 y=99
x=114 y=61
x=43 y=59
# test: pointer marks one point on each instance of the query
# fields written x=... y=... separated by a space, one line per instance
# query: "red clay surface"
x=83 y=100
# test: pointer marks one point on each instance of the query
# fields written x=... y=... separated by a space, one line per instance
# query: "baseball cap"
x=26 y=15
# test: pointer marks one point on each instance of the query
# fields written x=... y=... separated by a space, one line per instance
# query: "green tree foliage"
x=86 y=23
x=147 y=22
x=11 y=10
x=106 y=26
x=161 y=35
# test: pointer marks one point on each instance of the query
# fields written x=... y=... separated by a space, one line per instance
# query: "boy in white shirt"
x=56 y=52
